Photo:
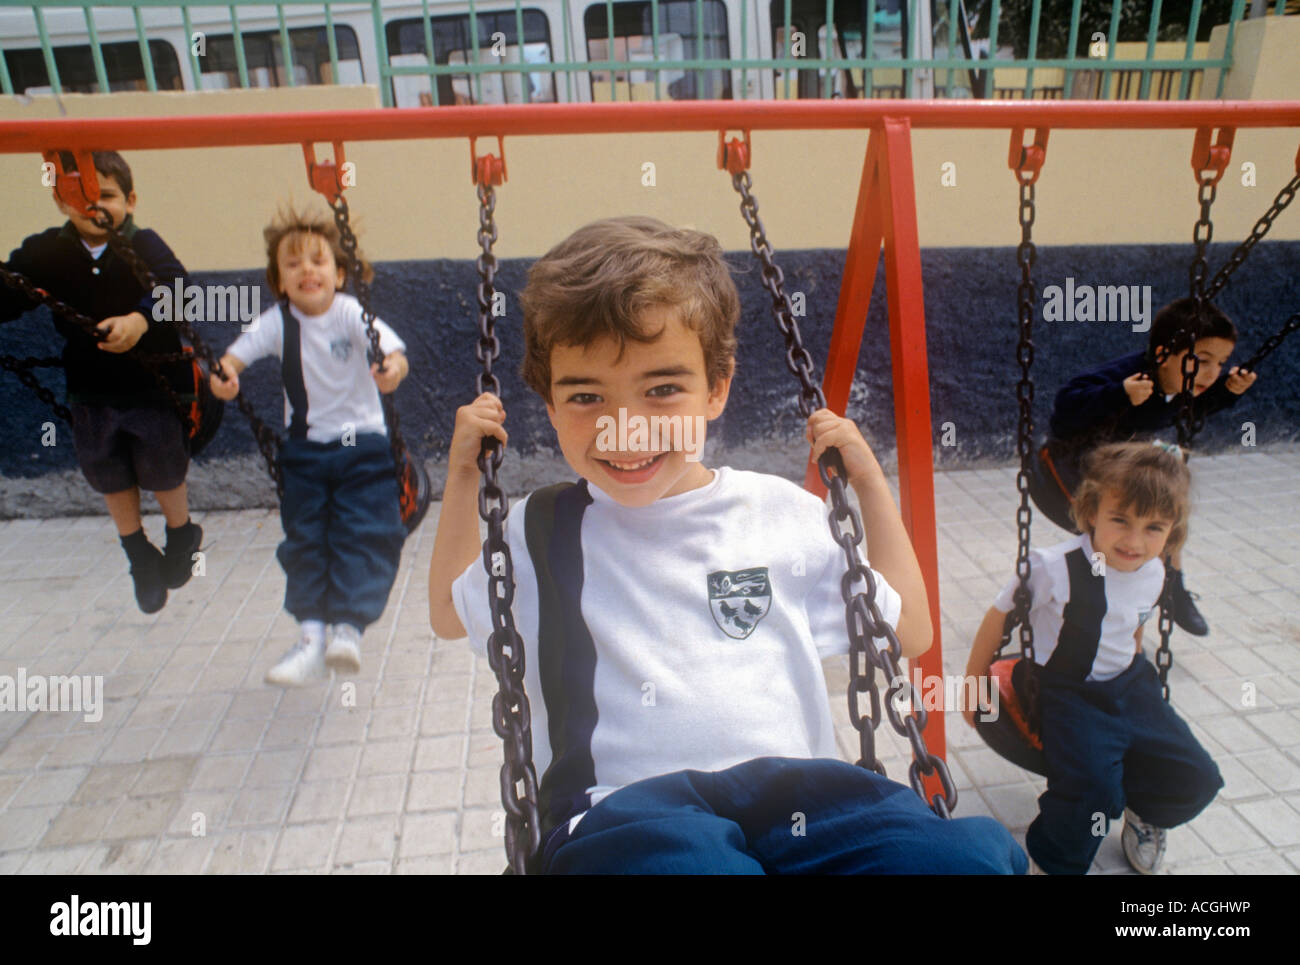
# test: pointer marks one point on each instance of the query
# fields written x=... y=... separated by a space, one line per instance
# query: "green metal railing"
x=327 y=15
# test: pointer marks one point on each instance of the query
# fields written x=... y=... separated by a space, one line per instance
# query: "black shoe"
x=1185 y=613
x=178 y=561
x=146 y=572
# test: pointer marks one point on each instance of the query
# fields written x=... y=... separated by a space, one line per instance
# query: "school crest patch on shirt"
x=341 y=348
x=738 y=599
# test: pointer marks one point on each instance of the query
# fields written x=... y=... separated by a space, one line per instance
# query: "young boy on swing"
x=675 y=617
x=1113 y=745
x=343 y=529
x=125 y=427
x=1119 y=400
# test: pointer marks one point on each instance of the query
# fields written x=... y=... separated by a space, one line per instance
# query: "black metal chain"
x=1238 y=256
x=797 y=359
x=1026 y=258
x=348 y=242
x=862 y=615
x=88 y=325
x=1164 y=655
x=1190 y=422
x=151 y=363
x=124 y=250
x=1271 y=343
x=511 y=714
x=23 y=284
x=22 y=367
x=1187 y=420
x=268 y=442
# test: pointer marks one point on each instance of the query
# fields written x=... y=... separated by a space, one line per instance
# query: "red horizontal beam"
x=389 y=124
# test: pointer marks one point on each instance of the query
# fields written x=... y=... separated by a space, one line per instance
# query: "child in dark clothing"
x=1120 y=400
x=127 y=431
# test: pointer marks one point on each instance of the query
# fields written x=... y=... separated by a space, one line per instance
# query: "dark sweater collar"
x=69 y=231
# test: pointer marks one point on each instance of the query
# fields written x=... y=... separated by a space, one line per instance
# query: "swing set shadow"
x=884 y=225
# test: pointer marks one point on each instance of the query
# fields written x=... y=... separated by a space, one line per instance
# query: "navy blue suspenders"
x=291 y=368
x=1076 y=647
x=565 y=654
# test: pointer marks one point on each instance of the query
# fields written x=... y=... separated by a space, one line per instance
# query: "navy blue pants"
x=776 y=815
x=1109 y=745
x=343 y=530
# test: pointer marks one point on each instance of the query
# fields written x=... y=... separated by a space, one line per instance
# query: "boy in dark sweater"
x=127 y=431
x=1132 y=397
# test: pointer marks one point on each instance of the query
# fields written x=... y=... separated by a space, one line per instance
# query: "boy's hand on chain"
x=1239 y=381
x=826 y=429
x=122 y=332
x=1139 y=387
x=484 y=417
x=396 y=368
x=224 y=389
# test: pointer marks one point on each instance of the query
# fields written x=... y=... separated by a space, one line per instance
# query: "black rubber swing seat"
x=1009 y=735
x=415 y=491
x=205 y=411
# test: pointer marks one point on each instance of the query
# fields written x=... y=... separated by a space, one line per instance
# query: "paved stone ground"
x=401 y=775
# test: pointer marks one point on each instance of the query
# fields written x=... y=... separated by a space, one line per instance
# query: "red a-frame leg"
x=886 y=212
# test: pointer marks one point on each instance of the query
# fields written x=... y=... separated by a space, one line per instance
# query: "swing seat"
x=1009 y=735
x=415 y=492
x=205 y=411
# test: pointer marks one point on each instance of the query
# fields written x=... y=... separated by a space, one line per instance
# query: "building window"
x=264 y=58
x=686 y=31
x=122 y=64
x=453 y=43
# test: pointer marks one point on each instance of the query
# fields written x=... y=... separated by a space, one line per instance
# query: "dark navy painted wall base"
x=970 y=305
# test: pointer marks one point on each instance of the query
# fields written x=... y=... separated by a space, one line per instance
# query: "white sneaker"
x=344 y=651
x=1144 y=844
x=304 y=662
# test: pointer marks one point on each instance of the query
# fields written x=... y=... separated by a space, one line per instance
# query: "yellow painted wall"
x=414 y=200
x=1266 y=59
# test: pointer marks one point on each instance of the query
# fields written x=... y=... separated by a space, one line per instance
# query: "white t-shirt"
x=710 y=613
x=95 y=250
x=1097 y=630
x=340 y=390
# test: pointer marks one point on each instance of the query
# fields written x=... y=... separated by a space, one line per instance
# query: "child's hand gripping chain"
x=457 y=543
x=891 y=548
x=122 y=332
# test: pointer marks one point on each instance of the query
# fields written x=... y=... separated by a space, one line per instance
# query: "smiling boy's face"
x=309 y=276
x=663 y=378
x=111 y=198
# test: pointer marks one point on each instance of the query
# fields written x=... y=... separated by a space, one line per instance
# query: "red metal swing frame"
x=884 y=219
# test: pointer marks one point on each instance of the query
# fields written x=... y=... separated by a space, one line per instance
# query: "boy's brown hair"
x=297 y=226
x=1149 y=479
x=1182 y=315
x=599 y=281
